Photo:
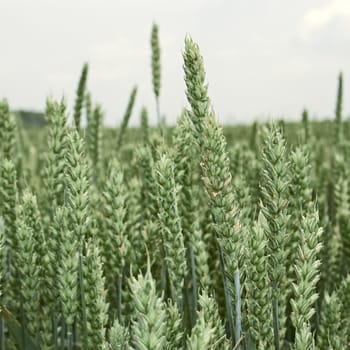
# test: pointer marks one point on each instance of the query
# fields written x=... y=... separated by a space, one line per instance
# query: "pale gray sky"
x=262 y=57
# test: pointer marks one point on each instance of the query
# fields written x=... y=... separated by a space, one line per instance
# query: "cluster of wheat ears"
x=193 y=237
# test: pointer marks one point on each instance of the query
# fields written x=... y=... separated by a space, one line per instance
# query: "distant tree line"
x=30 y=118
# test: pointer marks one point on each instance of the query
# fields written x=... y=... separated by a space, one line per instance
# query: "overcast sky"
x=262 y=57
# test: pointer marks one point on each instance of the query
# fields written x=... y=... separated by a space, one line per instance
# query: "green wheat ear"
x=338 y=109
x=68 y=271
x=126 y=117
x=174 y=324
x=94 y=140
x=196 y=88
x=79 y=101
x=144 y=126
x=344 y=296
x=148 y=330
x=54 y=163
x=274 y=190
x=156 y=67
x=27 y=260
x=77 y=188
x=258 y=292
x=210 y=311
x=186 y=177
x=95 y=298
x=306 y=124
x=331 y=332
x=206 y=333
x=113 y=238
x=7 y=131
x=2 y=261
x=119 y=337
x=170 y=224
x=9 y=200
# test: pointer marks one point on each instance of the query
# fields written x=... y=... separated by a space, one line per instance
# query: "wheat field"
x=197 y=236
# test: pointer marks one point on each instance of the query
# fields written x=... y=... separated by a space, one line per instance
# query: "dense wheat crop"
x=192 y=237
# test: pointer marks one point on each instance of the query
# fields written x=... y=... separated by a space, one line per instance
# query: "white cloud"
x=318 y=18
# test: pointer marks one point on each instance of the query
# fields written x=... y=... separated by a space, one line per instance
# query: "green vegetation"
x=192 y=237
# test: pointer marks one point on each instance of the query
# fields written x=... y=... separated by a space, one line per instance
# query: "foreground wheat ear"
x=274 y=191
x=306 y=262
x=170 y=224
x=216 y=177
x=258 y=289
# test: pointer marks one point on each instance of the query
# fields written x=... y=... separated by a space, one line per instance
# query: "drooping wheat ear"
x=7 y=131
x=156 y=67
x=338 y=109
x=55 y=165
x=218 y=184
x=148 y=330
x=79 y=101
x=170 y=224
x=331 y=332
x=27 y=261
x=119 y=337
x=258 y=289
x=114 y=241
x=68 y=271
x=94 y=141
x=274 y=191
x=186 y=176
x=174 y=332
x=95 y=298
x=144 y=126
x=126 y=117
x=196 y=88
x=9 y=199
x=77 y=188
